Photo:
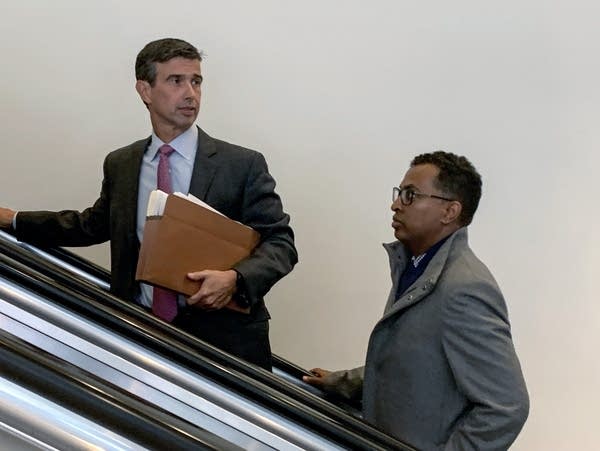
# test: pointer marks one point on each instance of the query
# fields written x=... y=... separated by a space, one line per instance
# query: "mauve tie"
x=164 y=302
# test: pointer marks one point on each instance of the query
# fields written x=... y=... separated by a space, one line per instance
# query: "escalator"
x=100 y=277
x=67 y=315
x=73 y=409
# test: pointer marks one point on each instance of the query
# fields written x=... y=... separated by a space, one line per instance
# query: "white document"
x=158 y=200
x=156 y=203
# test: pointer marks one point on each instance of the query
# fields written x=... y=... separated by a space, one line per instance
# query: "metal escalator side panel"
x=150 y=376
x=44 y=424
x=66 y=260
x=64 y=393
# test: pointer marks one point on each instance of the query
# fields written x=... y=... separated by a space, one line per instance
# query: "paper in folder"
x=187 y=237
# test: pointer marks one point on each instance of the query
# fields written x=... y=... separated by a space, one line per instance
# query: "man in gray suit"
x=441 y=371
x=231 y=179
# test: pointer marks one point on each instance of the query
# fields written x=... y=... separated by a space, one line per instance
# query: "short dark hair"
x=161 y=51
x=457 y=178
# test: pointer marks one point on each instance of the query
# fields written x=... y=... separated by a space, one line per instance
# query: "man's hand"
x=6 y=217
x=318 y=379
x=216 y=289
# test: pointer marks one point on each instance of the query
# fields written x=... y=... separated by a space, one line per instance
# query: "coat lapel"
x=204 y=168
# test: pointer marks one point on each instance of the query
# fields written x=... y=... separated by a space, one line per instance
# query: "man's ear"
x=453 y=211
x=143 y=88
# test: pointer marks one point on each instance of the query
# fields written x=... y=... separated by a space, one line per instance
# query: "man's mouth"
x=187 y=109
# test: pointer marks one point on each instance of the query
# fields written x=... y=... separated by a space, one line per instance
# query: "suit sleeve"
x=275 y=255
x=67 y=227
x=478 y=345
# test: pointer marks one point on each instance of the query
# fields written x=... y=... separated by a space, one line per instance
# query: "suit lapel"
x=131 y=172
x=204 y=168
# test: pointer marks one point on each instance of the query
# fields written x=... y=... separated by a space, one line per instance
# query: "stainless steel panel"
x=143 y=373
x=40 y=424
x=57 y=261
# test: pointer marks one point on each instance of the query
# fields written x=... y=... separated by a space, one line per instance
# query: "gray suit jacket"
x=441 y=371
x=232 y=179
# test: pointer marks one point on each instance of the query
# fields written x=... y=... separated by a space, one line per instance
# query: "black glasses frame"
x=407 y=195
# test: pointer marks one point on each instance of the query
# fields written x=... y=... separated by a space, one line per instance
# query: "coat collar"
x=425 y=284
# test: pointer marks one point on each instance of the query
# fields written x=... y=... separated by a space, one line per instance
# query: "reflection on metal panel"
x=42 y=424
x=57 y=261
x=147 y=375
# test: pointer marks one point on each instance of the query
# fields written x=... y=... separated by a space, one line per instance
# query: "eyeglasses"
x=407 y=195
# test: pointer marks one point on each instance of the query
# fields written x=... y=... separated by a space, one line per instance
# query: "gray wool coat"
x=441 y=371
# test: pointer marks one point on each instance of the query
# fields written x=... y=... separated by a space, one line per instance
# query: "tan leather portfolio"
x=188 y=238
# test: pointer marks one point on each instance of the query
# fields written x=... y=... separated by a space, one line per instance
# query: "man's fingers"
x=199 y=298
x=209 y=301
x=317 y=377
x=215 y=290
x=6 y=217
x=197 y=276
x=313 y=380
x=319 y=372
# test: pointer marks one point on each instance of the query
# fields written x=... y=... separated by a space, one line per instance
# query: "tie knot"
x=166 y=150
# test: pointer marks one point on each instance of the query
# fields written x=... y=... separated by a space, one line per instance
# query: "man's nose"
x=191 y=90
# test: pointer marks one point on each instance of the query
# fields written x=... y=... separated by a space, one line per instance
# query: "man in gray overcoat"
x=441 y=371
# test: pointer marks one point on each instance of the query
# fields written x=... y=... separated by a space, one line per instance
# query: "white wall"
x=339 y=96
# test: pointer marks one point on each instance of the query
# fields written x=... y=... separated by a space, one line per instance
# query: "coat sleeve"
x=275 y=255
x=67 y=227
x=346 y=383
x=478 y=345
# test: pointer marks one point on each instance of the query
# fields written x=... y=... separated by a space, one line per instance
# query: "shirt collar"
x=416 y=260
x=428 y=254
x=184 y=144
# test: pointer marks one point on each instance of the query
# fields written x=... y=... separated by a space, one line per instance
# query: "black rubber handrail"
x=133 y=322
x=99 y=401
x=79 y=262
